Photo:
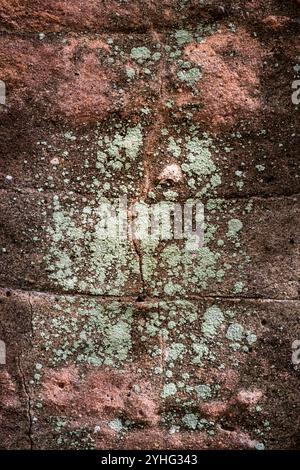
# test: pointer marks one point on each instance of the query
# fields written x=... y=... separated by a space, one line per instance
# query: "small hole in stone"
x=292 y=241
x=61 y=384
x=227 y=427
x=141 y=298
x=264 y=322
x=8 y=293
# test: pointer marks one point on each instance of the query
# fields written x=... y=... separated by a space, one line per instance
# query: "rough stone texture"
x=145 y=344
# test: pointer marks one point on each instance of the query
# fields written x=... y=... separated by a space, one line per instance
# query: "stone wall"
x=138 y=344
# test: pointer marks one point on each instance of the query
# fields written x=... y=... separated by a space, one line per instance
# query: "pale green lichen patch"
x=203 y=391
x=199 y=161
x=238 y=287
x=181 y=267
x=170 y=336
x=234 y=226
x=174 y=148
x=81 y=257
x=193 y=422
x=116 y=425
x=197 y=154
x=213 y=319
x=175 y=351
x=88 y=332
x=235 y=332
x=191 y=76
x=183 y=36
x=190 y=336
x=251 y=338
x=170 y=195
x=130 y=143
x=140 y=54
x=169 y=390
x=66 y=436
x=103 y=160
x=130 y=73
x=190 y=420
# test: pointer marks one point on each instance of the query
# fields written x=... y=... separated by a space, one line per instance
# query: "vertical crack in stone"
x=28 y=398
x=136 y=245
x=137 y=249
x=149 y=146
x=31 y=314
x=154 y=133
x=162 y=346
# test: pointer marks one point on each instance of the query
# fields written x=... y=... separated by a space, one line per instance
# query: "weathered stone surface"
x=77 y=79
x=240 y=256
x=54 y=242
x=168 y=95
x=15 y=332
x=60 y=15
x=196 y=374
x=119 y=344
x=110 y=158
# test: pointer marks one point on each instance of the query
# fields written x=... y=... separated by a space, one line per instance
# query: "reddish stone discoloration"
x=92 y=398
x=249 y=397
x=230 y=87
x=136 y=15
x=214 y=409
x=108 y=394
x=66 y=81
x=9 y=397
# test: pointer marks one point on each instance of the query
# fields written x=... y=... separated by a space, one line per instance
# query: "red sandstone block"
x=188 y=374
x=53 y=242
x=95 y=15
x=15 y=337
x=163 y=87
x=81 y=261
x=250 y=250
